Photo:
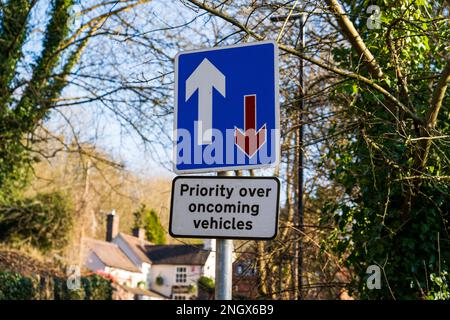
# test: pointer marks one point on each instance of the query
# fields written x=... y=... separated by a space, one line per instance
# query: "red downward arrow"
x=250 y=141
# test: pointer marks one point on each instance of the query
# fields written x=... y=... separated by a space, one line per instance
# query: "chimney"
x=112 y=225
x=139 y=233
x=209 y=244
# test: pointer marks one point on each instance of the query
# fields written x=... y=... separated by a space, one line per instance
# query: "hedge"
x=14 y=286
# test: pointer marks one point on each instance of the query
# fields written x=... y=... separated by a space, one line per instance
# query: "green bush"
x=96 y=288
x=62 y=292
x=14 y=286
x=149 y=220
x=439 y=289
x=206 y=284
x=43 y=221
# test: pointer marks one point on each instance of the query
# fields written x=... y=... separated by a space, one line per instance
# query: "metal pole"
x=298 y=248
x=224 y=276
x=300 y=161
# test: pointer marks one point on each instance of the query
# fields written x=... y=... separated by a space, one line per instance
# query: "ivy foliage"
x=439 y=286
x=395 y=210
x=43 y=221
x=27 y=98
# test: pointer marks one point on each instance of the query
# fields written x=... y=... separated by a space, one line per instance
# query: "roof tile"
x=177 y=254
x=110 y=254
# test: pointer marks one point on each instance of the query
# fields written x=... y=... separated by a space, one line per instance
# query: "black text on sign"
x=225 y=207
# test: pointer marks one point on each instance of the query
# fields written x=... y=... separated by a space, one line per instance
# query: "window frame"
x=181 y=275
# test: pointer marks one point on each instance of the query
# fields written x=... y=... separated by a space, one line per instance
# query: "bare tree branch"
x=438 y=96
x=353 y=36
x=317 y=62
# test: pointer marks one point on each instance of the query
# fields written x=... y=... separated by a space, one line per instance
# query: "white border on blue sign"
x=277 y=113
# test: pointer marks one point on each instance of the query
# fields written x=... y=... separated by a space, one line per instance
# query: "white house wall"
x=124 y=277
x=143 y=266
x=168 y=273
x=210 y=265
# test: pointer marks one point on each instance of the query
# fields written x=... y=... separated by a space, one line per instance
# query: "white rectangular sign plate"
x=225 y=207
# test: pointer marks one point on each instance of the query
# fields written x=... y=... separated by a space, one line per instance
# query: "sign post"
x=224 y=276
x=226 y=117
x=224 y=207
x=224 y=263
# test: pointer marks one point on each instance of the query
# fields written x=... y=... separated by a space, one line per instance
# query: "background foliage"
x=149 y=220
x=375 y=125
x=44 y=221
x=14 y=286
x=395 y=209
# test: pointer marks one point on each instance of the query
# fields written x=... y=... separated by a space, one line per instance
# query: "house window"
x=247 y=270
x=179 y=297
x=181 y=275
x=240 y=269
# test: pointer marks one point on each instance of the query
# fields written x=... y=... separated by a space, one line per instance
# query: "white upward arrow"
x=204 y=78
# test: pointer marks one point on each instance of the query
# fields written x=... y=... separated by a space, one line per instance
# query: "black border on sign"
x=229 y=178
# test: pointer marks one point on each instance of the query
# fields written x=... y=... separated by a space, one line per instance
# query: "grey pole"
x=300 y=160
x=224 y=250
x=300 y=183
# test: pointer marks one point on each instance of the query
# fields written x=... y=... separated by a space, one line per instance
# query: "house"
x=134 y=248
x=130 y=293
x=149 y=271
x=177 y=268
x=108 y=258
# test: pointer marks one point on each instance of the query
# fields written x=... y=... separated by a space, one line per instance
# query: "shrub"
x=149 y=220
x=43 y=221
x=62 y=292
x=439 y=286
x=206 y=284
x=13 y=286
x=96 y=288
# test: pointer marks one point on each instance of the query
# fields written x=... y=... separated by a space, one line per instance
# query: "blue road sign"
x=226 y=108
